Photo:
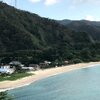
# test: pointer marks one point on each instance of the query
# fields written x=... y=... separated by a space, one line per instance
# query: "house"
x=28 y=68
x=7 y=69
x=66 y=62
x=35 y=66
x=16 y=63
x=45 y=64
x=31 y=67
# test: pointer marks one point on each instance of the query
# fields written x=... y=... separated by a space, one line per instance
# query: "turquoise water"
x=82 y=84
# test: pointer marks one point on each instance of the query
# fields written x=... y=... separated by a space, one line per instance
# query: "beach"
x=40 y=74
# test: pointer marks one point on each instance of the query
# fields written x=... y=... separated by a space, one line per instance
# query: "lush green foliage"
x=29 y=38
x=5 y=96
x=14 y=76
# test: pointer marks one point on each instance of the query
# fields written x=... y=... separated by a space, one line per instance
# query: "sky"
x=61 y=9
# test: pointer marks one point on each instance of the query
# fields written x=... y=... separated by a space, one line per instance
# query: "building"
x=31 y=67
x=28 y=68
x=7 y=69
x=35 y=66
x=45 y=64
x=66 y=62
x=16 y=63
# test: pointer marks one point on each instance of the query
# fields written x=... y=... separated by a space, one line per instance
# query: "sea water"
x=82 y=84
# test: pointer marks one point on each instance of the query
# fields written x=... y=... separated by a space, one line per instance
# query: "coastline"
x=41 y=74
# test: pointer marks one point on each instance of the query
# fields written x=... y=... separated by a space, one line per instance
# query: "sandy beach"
x=7 y=85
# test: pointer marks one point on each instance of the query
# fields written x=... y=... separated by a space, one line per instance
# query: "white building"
x=28 y=68
x=34 y=66
x=7 y=69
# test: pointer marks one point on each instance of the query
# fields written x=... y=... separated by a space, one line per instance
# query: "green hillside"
x=30 y=38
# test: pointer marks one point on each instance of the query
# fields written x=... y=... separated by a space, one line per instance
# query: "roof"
x=33 y=65
x=15 y=63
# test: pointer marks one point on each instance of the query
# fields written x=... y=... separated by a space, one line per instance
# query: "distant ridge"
x=90 y=27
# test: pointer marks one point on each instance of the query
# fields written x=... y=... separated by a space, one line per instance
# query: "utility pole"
x=15 y=3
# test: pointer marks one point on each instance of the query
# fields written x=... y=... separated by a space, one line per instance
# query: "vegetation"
x=14 y=76
x=5 y=96
x=29 y=38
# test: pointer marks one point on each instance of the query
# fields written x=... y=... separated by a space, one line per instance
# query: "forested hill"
x=25 y=31
x=21 y=30
x=90 y=27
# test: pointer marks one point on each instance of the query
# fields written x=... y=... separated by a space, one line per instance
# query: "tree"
x=5 y=96
x=76 y=60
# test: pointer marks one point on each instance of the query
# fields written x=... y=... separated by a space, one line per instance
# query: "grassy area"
x=14 y=76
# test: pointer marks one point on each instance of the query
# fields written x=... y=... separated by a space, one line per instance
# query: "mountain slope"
x=64 y=22
x=30 y=38
x=22 y=30
x=92 y=28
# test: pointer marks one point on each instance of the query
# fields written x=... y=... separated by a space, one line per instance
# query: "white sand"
x=7 y=85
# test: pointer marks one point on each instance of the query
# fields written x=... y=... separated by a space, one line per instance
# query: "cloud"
x=73 y=4
x=35 y=1
x=46 y=2
x=77 y=2
x=86 y=1
x=89 y=17
x=51 y=2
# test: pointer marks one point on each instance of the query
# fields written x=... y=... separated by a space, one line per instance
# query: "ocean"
x=81 y=84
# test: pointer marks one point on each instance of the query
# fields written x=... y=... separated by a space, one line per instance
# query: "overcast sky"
x=61 y=9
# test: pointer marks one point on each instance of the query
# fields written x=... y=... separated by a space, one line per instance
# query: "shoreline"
x=41 y=74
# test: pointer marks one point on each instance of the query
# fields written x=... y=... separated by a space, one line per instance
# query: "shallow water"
x=82 y=84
